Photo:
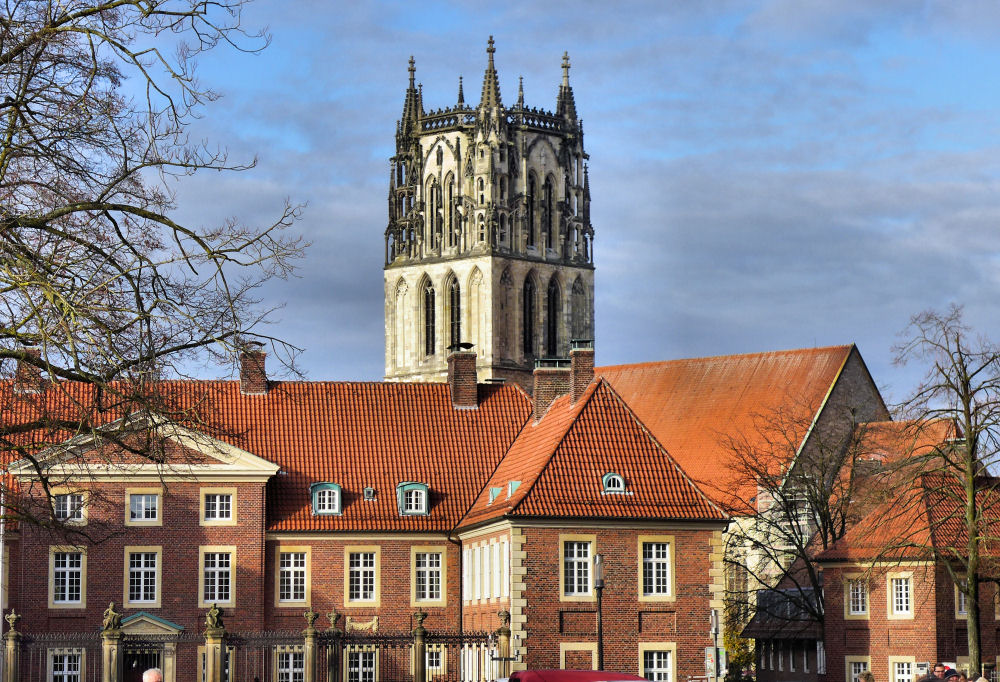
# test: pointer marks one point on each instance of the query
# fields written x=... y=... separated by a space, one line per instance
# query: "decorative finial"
x=420 y=617
x=520 y=92
x=412 y=70
x=491 y=49
x=565 y=68
x=504 y=617
x=461 y=94
x=333 y=617
x=213 y=619
x=12 y=619
x=310 y=617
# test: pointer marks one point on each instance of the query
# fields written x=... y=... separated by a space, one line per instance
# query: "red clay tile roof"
x=692 y=405
x=357 y=435
x=561 y=460
x=923 y=517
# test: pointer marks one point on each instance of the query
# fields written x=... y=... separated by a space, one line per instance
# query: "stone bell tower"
x=489 y=240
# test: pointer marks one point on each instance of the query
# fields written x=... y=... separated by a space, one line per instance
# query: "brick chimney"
x=462 y=379
x=581 y=366
x=28 y=378
x=253 y=376
x=552 y=379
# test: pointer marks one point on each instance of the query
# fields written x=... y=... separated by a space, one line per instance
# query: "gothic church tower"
x=489 y=240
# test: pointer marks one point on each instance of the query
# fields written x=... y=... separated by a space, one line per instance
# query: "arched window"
x=531 y=210
x=528 y=317
x=552 y=319
x=579 y=310
x=503 y=228
x=449 y=209
x=503 y=189
x=482 y=228
x=482 y=197
x=429 y=343
x=455 y=312
x=549 y=211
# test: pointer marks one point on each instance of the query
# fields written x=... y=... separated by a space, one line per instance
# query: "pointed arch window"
x=549 y=209
x=482 y=197
x=455 y=312
x=531 y=210
x=552 y=320
x=528 y=317
x=429 y=341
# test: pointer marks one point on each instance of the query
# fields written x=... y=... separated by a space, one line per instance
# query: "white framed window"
x=361 y=666
x=656 y=665
x=361 y=576
x=576 y=567
x=67 y=577
x=902 y=671
x=961 y=599
x=656 y=579
x=791 y=657
x=820 y=658
x=143 y=507
x=900 y=595
x=143 y=577
x=66 y=665
x=327 y=501
x=217 y=577
x=218 y=507
x=505 y=568
x=855 y=667
x=467 y=574
x=68 y=507
x=770 y=654
x=781 y=655
x=613 y=483
x=412 y=498
x=292 y=575
x=415 y=501
x=805 y=658
x=290 y=665
x=857 y=597
x=427 y=574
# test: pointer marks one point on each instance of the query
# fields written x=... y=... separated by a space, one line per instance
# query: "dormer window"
x=326 y=499
x=613 y=483
x=412 y=498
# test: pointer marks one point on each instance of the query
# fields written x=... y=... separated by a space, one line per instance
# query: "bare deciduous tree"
x=962 y=388
x=101 y=287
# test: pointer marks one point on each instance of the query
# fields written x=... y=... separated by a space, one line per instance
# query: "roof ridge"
x=706 y=358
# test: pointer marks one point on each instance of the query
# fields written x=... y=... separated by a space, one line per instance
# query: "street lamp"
x=599 y=586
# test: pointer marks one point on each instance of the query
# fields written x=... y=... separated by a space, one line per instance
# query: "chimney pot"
x=462 y=379
x=253 y=375
x=581 y=357
x=552 y=379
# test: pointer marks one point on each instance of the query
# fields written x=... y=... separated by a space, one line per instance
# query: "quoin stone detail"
x=489 y=240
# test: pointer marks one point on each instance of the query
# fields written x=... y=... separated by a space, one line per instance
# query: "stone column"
x=333 y=648
x=215 y=640
x=12 y=653
x=111 y=643
x=309 y=646
x=503 y=644
x=419 y=648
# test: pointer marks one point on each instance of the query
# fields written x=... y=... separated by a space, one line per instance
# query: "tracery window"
x=528 y=317
x=455 y=312
x=429 y=341
x=552 y=321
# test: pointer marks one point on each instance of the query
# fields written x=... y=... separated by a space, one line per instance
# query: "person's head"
x=939 y=669
x=962 y=677
x=153 y=675
x=951 y=674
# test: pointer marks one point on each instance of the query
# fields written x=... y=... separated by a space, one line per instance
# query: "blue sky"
x=765 y=175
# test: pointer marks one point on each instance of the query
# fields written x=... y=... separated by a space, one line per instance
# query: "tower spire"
x=520 y=92
x=565 y=104
x=461 y=94
x=491 y=84
x=411 y=104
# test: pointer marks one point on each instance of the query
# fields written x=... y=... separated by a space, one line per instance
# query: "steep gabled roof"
x=558 y=465
x=691 y=406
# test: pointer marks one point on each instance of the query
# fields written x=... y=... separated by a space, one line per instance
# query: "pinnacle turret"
x=565 y=104
x=461 y=94
x=491 y=84
x=520 y=92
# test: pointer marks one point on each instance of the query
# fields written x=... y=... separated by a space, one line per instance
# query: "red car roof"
x=572 y=676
